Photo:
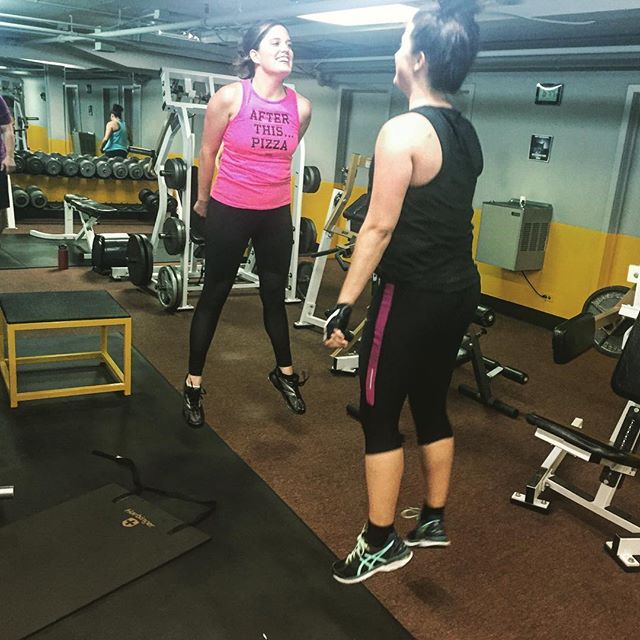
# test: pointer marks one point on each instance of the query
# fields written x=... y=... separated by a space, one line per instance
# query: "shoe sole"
x=271 y=378
x=427 y=543
x=385 y=568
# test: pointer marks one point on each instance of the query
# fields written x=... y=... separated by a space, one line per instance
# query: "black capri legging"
x=228 y=231
x=409 y=348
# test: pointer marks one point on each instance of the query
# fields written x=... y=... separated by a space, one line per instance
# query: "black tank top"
x=430 y=248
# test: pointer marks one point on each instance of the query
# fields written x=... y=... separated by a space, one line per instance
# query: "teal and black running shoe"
x=365 y=561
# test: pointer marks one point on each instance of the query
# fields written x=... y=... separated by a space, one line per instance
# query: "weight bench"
x=89 y=212
x=50 y=310
x=617 y=456
x=485 y=369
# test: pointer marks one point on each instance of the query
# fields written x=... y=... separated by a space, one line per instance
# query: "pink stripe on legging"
x=376 y=347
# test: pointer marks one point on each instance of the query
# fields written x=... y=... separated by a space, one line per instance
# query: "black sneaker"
x=192 y=408
x=428 y=534
x=365 y=561
x=289 y=387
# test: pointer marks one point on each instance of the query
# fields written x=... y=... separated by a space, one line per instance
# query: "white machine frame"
x=624 y=549
x=337 y=205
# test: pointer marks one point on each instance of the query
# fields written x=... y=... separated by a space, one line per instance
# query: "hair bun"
x=451 y=8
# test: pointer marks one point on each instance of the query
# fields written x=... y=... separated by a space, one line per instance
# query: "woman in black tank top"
x=417 y=237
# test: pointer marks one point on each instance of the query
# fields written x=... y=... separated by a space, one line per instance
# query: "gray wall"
x=585 y=128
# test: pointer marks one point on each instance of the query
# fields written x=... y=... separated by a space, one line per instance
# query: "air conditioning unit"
x=513 y=235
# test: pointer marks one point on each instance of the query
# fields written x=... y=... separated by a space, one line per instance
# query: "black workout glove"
x=338 y=318
x=102 y=146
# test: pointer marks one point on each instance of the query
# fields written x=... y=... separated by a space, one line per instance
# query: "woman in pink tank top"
x=258 y=122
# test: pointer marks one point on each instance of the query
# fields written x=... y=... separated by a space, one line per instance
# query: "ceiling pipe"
x=225 y=19
x=44 y=20
x=503 y=53
x=27 y=27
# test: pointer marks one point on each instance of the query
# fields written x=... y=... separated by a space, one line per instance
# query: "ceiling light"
x=381 y=14
x=2 y=66
x=53 y=63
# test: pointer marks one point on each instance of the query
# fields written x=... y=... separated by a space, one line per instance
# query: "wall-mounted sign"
x=548 y=93
x=540 y=148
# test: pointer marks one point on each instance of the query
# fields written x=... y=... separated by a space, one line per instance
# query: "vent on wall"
x=534 y=236
x=514 y=237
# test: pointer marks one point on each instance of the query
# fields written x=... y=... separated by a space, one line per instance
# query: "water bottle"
x=63 y=257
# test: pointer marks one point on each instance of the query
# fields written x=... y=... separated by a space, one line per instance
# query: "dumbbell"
x=37 y=197
x=103 y=168
x=20 y=197
x=147 y=168
x=52 y=163
x=86 y=167
x=134 y=168
x=19 y=159
x=70 y=166
x=150 y=200
x=33 y=164
x=119 y=169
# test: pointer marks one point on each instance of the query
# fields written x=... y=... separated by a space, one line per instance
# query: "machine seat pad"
x=573 y=337
x=595 y=447
x=86 y=205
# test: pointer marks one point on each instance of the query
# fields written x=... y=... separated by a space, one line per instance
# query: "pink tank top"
x=255 y=166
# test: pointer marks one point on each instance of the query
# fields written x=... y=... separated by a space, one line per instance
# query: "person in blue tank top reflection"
x=417 y=239
x=117 y=136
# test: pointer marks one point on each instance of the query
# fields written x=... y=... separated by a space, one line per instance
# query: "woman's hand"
x=200 y=207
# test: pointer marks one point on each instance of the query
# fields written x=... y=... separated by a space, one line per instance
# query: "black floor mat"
x=68 y=556
x=264 y=575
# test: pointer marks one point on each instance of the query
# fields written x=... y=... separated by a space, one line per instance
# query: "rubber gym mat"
x=23 y=251
x=65 y=557
x=264 y=575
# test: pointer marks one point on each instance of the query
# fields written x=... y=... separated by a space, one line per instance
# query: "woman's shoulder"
x=228 y=93
x=406 y=126
x=304 y=105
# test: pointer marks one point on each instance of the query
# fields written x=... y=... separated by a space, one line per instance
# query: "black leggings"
x=228 y=231
x=408 y=349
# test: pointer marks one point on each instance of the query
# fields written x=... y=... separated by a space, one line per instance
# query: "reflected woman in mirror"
x=117 y=135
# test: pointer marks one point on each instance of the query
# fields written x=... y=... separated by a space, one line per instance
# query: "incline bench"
x=51 y=310
x=89 y=212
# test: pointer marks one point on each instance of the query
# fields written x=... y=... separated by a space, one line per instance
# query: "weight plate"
x=139 y=259
x=305 y=269
x=307 y=235
x=169 y=287
x=311 y=179
x=608 y=339
x=174 y=236
x=175 y=173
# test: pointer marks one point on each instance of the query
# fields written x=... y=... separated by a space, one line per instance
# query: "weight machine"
x=618 y=457
x=337 y=206
x=185 y=95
